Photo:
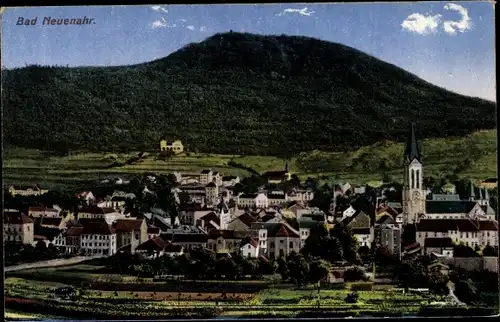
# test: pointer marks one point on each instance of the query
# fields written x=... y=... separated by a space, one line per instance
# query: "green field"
x=475 y=155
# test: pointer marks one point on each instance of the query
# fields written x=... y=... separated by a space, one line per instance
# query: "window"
x=249 y=246
x=272 y=245
x=281 y=241
x=291 y=244
x=418 y=179
x=412 y=179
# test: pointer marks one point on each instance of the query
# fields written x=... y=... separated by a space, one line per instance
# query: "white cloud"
x=203 y=28
x=190 y=27
x=451 y=27
x=421 y=24
x=159 y=8
x=302 y=12
x=161 y=23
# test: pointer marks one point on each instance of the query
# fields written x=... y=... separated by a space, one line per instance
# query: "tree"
x=355 y=274
x=410 y=274
x=283 y=269
x=466 y=291
x=319 y=270
x=298 y=269
x=464 y=251
x=348 y=242
x=438 y=283
x=364 y=252
x=490 y=251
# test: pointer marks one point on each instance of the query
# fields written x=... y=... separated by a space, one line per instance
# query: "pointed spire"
x=412 y=150
x=472 y=195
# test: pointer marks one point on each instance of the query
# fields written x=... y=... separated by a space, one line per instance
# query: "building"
x=277 y=239
x=88 y=196
x=441 y=246
x=206 y=176
x=414 y=193
x=278 y=176
x=42 y=211
x=225 y=241
x=302 y=196
x=108 y=214
x=389 y=236
x=230 y=181
x=249 y=247
x=258 y=200
x=31 y=190
x=211 y=193
x=98 y=238
x=470 y=232
x=130 y=233
x=176 y=147
x=18 y=228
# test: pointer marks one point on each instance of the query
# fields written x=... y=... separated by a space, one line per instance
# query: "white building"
x=470 y=232
x=250 y=248
x=98 y=238
x=259 y=200
x=35 y=212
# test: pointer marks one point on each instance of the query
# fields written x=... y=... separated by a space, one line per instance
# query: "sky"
x=450 y=44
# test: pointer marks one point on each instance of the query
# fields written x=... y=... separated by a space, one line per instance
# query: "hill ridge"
x=229 y=94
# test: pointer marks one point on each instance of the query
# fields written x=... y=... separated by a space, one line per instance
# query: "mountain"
x=234 y=93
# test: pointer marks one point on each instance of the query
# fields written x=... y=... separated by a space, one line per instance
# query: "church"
x=444 y=220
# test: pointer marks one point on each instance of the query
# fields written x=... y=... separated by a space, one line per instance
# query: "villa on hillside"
x=176 y=146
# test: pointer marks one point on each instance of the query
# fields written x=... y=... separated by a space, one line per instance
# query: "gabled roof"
x=211 y=185
x=246 y=219
x=250 y=240
x=127 y=225
x=74 y=231
x=282 y=230
x=97 y=228
x=206 y=171
x=449 y=207
x=16 y=218
x=185 y=238
x=438 y=242
x=361 y=231
x=154 y=244
x=211 y=216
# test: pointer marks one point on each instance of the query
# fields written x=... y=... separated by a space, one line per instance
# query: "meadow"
x=473 y=157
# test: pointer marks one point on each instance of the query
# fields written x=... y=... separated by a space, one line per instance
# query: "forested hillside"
x=233 y=93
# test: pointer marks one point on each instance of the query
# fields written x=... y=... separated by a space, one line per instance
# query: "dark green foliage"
x=355 y=274
x=352 y=297
x=466 y=291
x=230 y=94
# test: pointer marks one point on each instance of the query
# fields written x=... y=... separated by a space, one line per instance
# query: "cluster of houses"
x=269 y=223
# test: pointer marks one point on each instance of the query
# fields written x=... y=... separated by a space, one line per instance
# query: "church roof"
x=412 y=150
x=449 y=206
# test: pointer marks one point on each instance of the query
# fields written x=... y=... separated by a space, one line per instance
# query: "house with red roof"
x=277 y=239
x=153 y=232
x=17 y=227
x=130 y=233
x=93 y=212
x=98 y=238
x=249 y=247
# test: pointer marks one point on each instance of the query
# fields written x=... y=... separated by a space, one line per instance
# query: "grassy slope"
x=440 y=156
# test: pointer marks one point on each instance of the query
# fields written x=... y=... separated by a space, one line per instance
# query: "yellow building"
x=33 y=190
x=18 y=227
x=176 y=146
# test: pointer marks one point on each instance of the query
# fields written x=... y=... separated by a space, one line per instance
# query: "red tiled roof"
x=16 y=218
x=282 y=230
x=444 y=225
x=411 y=246
x=74 y=231
x=39 y=237
x=211 y=216
x=438 y=242
x=156 y=243
x=247 y=219
x=128 y=225
x=97 y=228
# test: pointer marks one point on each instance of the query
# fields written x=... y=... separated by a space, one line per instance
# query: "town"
x=432 y=240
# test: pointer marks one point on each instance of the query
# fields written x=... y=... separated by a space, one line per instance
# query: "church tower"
x=414 y=196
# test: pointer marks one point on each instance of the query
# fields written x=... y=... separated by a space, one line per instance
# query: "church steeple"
x=412 y=150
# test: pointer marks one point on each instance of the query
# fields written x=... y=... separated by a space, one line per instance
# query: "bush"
x=352 y=298
x=361 y=287
x=355 y=274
